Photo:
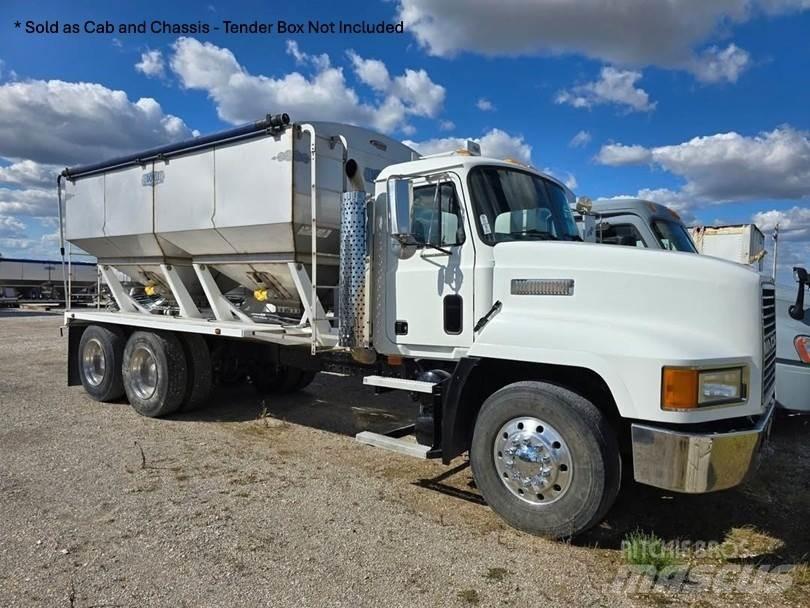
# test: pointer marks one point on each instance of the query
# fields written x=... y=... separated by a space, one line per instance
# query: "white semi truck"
x=458 y=278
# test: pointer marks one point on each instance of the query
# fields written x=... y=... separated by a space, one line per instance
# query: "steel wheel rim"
x=94 y=363
x=143 y=373
x=533 y=460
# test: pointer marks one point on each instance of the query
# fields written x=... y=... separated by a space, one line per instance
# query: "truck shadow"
x=334 y=404
x=773 y=504
x=768 y=511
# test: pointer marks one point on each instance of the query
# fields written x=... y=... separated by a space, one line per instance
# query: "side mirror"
x=400 y=200
x=584 y=205
x=796 y=310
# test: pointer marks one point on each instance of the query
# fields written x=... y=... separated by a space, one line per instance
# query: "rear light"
x=802 y=344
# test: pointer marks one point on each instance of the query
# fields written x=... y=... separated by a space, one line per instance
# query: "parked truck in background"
x=458 y=278
x=25 y=281
x=641 y=223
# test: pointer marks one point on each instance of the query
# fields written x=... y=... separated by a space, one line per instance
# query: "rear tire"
x=155 y=373
x=101 y=351
x=199 y=376
x=545 y=459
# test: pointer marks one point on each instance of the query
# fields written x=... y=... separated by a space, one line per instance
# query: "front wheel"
x=545 y=459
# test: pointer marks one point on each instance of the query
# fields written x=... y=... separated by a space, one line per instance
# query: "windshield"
x=513 y=205
x=673 y=236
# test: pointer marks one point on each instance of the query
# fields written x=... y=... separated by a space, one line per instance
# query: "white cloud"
x=718 y=65
x=617 y=155
x=11 y=227
x=495 y=143
x=414 y=88
x=74 y=122
x=485 y=105
x=447 y=125
x=730 y=166
x=151 y=64
x=28 y=174
x=794 y=223
x=240 y=96
x=614 y=86
x=580 y=140
x=371 y=71
x=46 y=246
x=636 y=33
x=321 y=61
x=34 y=202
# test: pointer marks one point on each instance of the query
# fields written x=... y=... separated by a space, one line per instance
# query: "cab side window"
x=436 y=215
x=621 y=234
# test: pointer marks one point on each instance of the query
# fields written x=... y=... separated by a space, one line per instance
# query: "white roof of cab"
x=426 y=166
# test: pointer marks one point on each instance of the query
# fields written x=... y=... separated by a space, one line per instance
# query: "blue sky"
x=704 y=108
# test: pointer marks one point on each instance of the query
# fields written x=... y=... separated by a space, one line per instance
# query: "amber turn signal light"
x=679 y=388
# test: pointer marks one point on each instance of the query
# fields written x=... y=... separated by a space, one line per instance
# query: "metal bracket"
x=122 y=298
x=223 y=308
x=313 y=310
x=184 y=300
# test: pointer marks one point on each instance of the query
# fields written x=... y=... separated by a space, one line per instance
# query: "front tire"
x=101 y=350
x=545 y=459
x=155 y=373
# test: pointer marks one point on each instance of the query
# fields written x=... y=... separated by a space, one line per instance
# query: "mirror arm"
x=796 y=310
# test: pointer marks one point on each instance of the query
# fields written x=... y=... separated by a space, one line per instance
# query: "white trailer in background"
x=23 y=280
x=458 y=278
x=741 y=243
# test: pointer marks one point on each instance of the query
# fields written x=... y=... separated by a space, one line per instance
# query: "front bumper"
x=696 y=463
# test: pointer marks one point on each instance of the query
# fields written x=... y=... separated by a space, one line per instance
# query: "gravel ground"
x=232 y=507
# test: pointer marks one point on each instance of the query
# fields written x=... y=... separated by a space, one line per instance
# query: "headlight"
x=687 y=388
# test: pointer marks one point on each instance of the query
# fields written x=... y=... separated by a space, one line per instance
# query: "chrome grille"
x=768 y=337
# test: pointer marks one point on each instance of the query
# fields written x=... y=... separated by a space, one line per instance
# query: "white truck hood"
x=631 y=312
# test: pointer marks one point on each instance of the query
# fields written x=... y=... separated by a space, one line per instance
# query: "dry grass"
x=646 y=549
x=747 y=542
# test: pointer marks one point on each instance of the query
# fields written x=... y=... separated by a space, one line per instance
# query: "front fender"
x=628 y=354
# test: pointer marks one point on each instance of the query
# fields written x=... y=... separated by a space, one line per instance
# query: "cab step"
x=399 y=440
x=399 y=384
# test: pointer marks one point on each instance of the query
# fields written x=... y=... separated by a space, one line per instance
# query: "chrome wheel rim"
x=533 y=460
x=143 y=374
x=94 y=363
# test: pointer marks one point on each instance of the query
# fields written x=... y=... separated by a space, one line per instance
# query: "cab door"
x=433 y=280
